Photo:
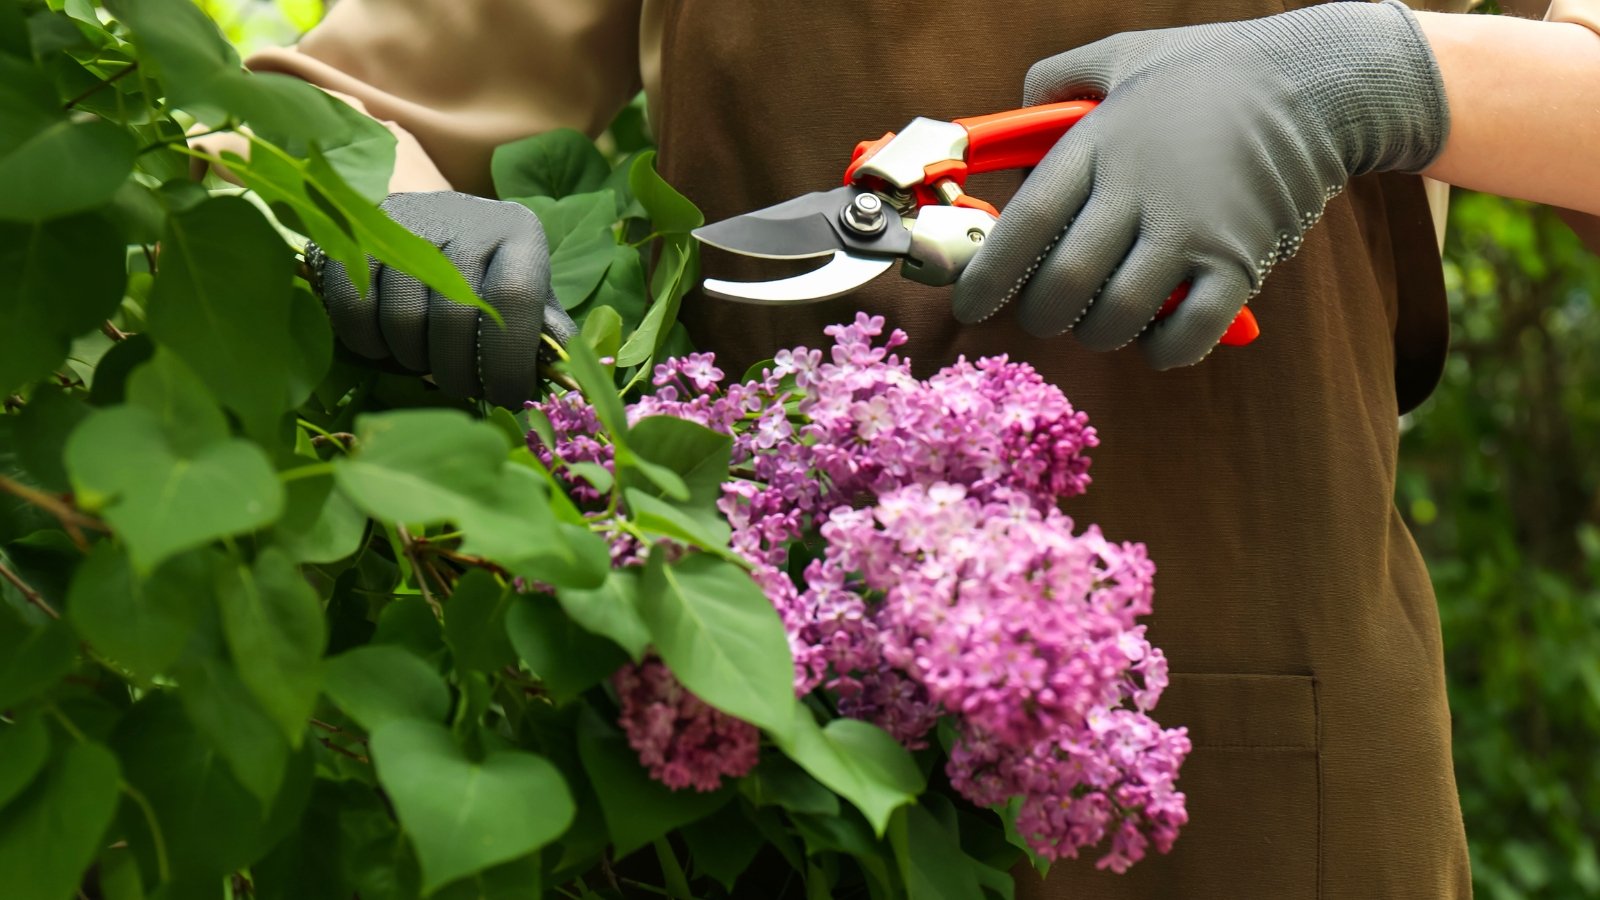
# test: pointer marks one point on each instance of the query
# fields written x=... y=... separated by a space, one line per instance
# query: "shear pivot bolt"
x=975 y=235
x=864 y=215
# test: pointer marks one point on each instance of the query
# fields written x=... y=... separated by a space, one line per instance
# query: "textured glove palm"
x=500 y=248
x=1214 y=150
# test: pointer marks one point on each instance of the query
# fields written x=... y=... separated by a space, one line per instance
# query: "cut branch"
x=421 y=569
x=71 y=520
x=27 y=591
x=100 y=85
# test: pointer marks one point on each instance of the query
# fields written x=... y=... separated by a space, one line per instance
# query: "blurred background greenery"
x=1500 y=482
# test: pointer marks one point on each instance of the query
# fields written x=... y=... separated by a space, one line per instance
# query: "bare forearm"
x=1524 y=106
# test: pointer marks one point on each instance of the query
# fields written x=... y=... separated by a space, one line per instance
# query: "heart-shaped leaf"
x=721 y=637
x=162 y=502
x=464 y=816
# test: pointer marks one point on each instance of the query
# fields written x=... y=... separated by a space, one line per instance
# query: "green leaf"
x=599 y=390
x=432 y=466
x=378 y=684
x=364 y=158
x=670 y=211
x=223 y=301
x=858 y=760
x=931 y=862
x=706 y=531
x=142 y=623
x=555 y=163
x=63 y=277
x=276 y=633
x=517 y=528
x=205 y=821
x=568 y=659
x=723 y=844
x=177 y=44
x=610 y=610
x=637 y=808
x=232 y=721
x=177 y=397
x=68 y=167
x=475 y=623
x=465 y=816
x=23 y=749
x=836 y=834
x=422 y=466
x=306 y=865
x=623 y=289
x=697 y=454
x=644 y=343
x=721 y=637
x=779 y=782
x=578 y=217
x=32 y=658
x=50 y=834
x=602 y=331
x=161 y=502
x=410 y=623
x=519 y=879
x=319 y=524
x=42 y=430
x=577 y=268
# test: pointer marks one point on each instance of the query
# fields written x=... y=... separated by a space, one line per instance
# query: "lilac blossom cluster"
x=681 y=740
x=949 y=585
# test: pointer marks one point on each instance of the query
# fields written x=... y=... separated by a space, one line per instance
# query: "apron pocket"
x=1253 y=783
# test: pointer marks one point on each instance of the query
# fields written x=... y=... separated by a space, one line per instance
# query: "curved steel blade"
x=793 y=229
x=843 y=274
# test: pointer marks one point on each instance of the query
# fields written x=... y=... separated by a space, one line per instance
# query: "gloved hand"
x=500 y=247
x=1214 y=150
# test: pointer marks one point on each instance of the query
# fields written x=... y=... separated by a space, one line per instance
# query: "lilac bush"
x=910 y=534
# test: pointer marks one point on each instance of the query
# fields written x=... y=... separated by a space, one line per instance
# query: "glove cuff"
x=1368 y=73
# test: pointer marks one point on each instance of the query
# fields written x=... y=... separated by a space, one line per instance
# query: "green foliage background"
x=1500 y=482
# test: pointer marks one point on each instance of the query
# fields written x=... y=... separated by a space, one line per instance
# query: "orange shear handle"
x=1019 y=138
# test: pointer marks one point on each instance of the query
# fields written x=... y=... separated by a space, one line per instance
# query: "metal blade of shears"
x=795 y=229
x=843 y=274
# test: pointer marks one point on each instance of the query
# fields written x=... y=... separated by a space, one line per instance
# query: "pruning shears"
x=904 y=199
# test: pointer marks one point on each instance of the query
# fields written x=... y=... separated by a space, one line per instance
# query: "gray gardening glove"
x=500 y=247
x=1213 y=152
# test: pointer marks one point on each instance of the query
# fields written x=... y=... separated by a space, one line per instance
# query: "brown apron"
x=1290 y=598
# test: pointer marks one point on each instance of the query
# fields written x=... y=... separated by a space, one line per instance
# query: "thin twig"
x=112 y=331
x=476 y=562
x=561 y=378
x=344 y=440
x=27 y=591
x=102 y=83
x=71 y=520
x=15 y=402
x=330 y=727
x=409 y=545
x=326 y=742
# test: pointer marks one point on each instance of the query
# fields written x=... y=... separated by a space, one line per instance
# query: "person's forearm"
x=1524 y=107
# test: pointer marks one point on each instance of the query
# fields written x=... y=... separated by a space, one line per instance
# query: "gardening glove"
x=500 y=248
x=1214 y=150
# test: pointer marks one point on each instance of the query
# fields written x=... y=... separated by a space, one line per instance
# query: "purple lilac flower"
x=681 y=740
x=946 y=582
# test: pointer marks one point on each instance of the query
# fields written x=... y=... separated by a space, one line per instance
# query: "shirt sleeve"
x=464 y=76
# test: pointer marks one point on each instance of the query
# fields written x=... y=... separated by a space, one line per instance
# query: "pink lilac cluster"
x=949 y=584
x=681 y=740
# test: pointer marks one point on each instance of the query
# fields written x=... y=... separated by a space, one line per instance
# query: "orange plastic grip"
x=1018 y=138
x=1243 y=330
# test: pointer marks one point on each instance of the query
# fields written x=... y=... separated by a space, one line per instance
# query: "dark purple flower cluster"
x=947 y=584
